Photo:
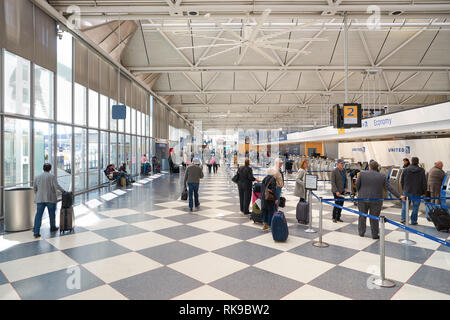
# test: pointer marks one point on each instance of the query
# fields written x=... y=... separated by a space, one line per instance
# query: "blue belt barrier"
x=446 y=243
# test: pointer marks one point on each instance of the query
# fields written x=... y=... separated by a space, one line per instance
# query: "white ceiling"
x=281 y=63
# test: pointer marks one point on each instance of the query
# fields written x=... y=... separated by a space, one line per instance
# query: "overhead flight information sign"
x=352 y=115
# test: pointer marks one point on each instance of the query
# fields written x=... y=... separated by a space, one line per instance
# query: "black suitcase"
x=67 y=200
x=440 y=218
x=256 y=217
x=66 y=220
x=302 y=212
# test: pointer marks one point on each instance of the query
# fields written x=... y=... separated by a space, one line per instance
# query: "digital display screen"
x=311 y=182
x=394 y=173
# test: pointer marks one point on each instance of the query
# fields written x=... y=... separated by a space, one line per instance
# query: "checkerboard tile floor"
x=143 y=243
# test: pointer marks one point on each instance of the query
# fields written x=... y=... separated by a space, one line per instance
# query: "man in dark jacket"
x=434 y=183
x=414 y=185
x=370 y=185
x=338 y=183
x=192 y=181
x=245 y=181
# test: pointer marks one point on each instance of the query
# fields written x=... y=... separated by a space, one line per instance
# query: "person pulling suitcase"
x=45 y=187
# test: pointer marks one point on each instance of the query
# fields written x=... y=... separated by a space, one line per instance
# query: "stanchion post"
x=382 y=281
x=319 y=243
x=310 y=229
x=406 y=240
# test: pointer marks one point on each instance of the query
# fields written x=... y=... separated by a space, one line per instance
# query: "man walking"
x=45 y=188
x=414 y=184
x=338 y=183
x=192 y=179
x=370 y=185
x=434 y=182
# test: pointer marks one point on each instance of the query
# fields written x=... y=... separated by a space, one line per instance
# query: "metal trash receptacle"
x=19 y=209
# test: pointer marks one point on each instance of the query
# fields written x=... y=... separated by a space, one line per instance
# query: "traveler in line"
x=214 y=164
x=192 y=181
x=45 y=188
x=370 y=185
x=268 y=206
x=338 y=188
x=414 y=185
x=434 y=182
x=279 y=176
x=406 y=163
x=300 y=180
x=245 y=180
x=145 y=165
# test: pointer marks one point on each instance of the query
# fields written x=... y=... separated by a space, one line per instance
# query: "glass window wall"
x=64 y=78
x=80 y=105
x=43 y=146
x=93 y=158
x=43 y=93
x=80 y=159
x=64 y=156
x=17 y=152
x=93 y=109
x=16 y=84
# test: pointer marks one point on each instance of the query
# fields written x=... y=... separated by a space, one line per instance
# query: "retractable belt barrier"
x=328 y=201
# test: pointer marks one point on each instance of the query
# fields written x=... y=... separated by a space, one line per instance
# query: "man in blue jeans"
x=192 y=180
x=45 y=187
x=414 y=185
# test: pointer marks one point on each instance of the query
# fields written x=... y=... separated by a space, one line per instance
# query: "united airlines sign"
x=362 y=149
x=406 y=149
x=387 y=122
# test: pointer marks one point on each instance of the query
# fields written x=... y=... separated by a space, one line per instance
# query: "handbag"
x=268 y=194
x=282 y=202
x=184 y=194
x=235 y=178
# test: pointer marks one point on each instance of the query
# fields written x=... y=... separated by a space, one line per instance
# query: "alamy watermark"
x=374 y=271
x=373 y=22
x=73 y=282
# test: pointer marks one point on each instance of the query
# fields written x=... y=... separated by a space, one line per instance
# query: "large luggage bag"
x=257 y=187
x=67 y=200
x=66 y=220
x=279 y=227
x=256 y=217
x=440 y=218
x=302 y=212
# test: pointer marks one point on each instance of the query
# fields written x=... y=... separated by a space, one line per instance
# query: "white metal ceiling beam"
x=193 y=82
x=281 y=76
x=211 y=81
x=257 y=81
x=232 y=7
x=404 y=81
x=322 y=81
x=266 y=68
x=187 y=92
x=261 y=105
x=181 y=54
x=218 y=36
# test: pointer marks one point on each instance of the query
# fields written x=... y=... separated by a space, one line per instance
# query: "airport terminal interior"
x=159 y=87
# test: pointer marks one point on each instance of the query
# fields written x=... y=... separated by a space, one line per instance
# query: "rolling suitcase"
x=302 y=212
x=67 y=200
x=440 y=218
x=279 y=227
x=66 y=220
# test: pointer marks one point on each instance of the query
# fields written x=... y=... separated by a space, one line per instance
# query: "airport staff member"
x=192 y=180
x=414 y=184
x=370 y=185
x=434 y=182
x=338 y=183
x=45 y=188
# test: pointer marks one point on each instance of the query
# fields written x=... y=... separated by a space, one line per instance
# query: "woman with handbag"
x=279 y=177
x=269 y=200
x=244 y=182
x=300 y=181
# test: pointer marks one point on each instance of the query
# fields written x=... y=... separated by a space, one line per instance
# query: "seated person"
x=123 y=171
x=146 y=168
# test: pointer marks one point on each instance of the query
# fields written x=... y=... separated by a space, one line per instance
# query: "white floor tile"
x=11 y=239
x=91 y=222
x=36 y=265
x=211 y=241
x=410 y=292
x=173 y=204
x=7 y=292
x=398 y=270
x=104 y=292
x=422 y=242
x=439 y=259
x=75 y=240
x=122 y=266
x=166 y=213
x=208 y=267
x=215 y=213
x=118 y=212
x=308 y=292
x=156 y=224
x=205 y=293
x=212 y=224
x=266 y=239
x=213 y=204
x=143 y=241
x=347 y=240
x=295 y=267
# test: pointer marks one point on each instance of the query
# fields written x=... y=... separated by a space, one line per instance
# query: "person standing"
x=414 y=185
x=268 y=206
x=214 y=164
x=434 y=183
x=192 y=181
x=406 y=163
x=300 y=181
x=45 y=187
x=370 y=185
x=244 y=183
x=338 y=188
x=279 y=177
